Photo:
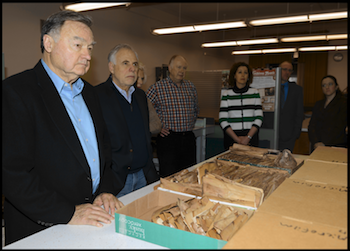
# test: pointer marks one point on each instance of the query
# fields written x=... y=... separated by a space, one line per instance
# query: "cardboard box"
x=330 y=154
x=323 y=172
x=299 y=214
x=135 y=220
x=310 y=202
x=271 y=231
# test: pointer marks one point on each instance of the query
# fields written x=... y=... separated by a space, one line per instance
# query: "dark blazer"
x=291 y=117
x=327 y=125
x=119 y=132
x=44 y=170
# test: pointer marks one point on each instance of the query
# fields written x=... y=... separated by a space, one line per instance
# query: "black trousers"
x=175 y=152
x=228 y=141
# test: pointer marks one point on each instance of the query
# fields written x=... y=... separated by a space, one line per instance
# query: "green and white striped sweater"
x=240 y=110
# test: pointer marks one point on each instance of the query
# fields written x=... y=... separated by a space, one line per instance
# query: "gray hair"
x=142 y=68
x=54 y=23
x=114 y=51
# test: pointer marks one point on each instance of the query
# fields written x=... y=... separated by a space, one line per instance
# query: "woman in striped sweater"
x=241 y=113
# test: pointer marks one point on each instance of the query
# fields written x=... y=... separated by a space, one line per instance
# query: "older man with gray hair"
x=176 y=102
x=126 y=114
x=56 y=150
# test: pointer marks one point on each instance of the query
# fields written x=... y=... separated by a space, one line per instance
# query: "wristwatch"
x=249 y=137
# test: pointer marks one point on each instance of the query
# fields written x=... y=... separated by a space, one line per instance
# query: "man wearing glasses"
x=291 y=109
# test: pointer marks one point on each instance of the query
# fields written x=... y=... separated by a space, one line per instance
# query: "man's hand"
x=88 y=214
x=109 y=202
x=164 y=132
x=94 y=214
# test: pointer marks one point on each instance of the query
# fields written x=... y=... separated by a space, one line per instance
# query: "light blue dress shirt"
x=81 y=119
x=127 y=96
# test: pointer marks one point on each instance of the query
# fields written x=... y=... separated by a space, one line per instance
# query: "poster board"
x=265 y=81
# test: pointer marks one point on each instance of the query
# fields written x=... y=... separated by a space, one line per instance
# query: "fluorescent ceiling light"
x=181 y=29
x=282 y=20
x=328 y=16
x=279 y=50
x=220 y=44
x=264 y=51
x=337 y=36
x=219 y=26
x=302 y=18
x=314 y=38
x=300 y=39
x=258 y=41
x=341 y=47
x=324 y=48
x=241 y=42
x=246 y=52
x=199 y=27
x=91 y=6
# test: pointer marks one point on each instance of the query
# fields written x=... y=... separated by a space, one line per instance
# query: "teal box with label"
x=135 y=220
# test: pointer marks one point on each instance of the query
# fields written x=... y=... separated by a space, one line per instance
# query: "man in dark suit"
x=125 y=111
x=56 y=150
x=291 y=109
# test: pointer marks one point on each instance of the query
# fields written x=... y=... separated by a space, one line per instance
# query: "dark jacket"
x=44 y=170
x=119 y=132
x=327 y=125
x=291 y=117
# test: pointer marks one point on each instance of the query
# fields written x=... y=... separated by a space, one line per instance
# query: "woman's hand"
x=244 y=140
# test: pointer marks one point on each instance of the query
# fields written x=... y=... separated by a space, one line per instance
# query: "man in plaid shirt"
x=176 y=103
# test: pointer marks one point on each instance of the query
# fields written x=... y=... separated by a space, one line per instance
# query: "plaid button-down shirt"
x=177 y=107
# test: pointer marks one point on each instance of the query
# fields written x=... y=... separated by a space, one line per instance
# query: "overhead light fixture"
x=199 y=27
x=263 y=51
x=241 y=42
x=324 y=48
x=314 y=38
x=258 y=22
x=328 y=16
x=258 y=41
x=337 y=36
x=301 y=18
x=303 y=39
x=219 y=26
x=181 y=29
x=294 y=50
x=219 y=44
x=247 y=52
x=281 y=20
x=91 y=6
x=279 y=50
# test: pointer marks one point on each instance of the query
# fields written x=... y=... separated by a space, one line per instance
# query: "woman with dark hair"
x=240 y=110
x=328 y=122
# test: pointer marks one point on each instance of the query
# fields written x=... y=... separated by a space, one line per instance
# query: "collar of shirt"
x=127 y=96
x=172 y=82
x=59 y=83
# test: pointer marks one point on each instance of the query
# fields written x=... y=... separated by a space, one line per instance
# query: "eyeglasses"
x=286 y=69
x=327 y=85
